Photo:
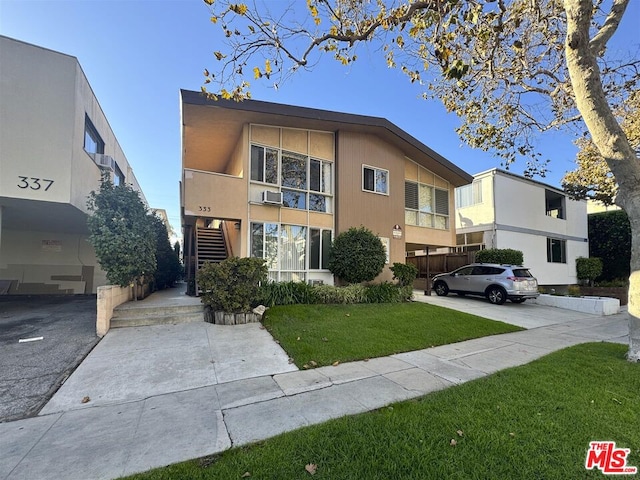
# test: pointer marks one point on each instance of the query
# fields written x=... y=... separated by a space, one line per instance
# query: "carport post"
x=427 y=287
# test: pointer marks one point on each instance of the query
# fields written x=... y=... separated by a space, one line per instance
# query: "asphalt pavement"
x=42 y=340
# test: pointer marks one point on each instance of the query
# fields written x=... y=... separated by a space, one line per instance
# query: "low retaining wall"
x=109 y=297
x=224 y=318
x=621 y=293
x=597 y=305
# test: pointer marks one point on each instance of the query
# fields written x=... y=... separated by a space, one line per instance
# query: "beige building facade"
x=279 y=182
x=55 y=142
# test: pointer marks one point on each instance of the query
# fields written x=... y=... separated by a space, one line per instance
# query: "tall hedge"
x=506 y=256
x=610 y=240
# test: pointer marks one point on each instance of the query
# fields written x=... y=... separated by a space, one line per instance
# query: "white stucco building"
x=503 y=210
x=54 y=143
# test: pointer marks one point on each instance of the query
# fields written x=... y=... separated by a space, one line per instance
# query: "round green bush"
x=357 y=255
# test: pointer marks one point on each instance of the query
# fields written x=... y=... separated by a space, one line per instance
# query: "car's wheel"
x=441 y=289
x=496 y=295
x=518 y=300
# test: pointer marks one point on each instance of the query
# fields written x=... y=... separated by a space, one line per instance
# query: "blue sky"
x=138 y=54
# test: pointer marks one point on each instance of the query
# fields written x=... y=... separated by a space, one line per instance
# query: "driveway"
x=31 y=371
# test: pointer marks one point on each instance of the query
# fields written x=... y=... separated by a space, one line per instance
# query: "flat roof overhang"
x=211 y=130
x=39 y=216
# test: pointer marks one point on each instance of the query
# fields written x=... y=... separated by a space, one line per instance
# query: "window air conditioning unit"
x=274 y=198
x=104 y=161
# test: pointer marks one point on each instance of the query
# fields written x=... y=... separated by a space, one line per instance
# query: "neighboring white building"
x=54 y=143
x=503 y=210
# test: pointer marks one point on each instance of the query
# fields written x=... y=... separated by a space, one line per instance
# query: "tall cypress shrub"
x=610 y=240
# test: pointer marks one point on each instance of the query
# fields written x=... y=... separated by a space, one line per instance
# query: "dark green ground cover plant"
x=528 y=422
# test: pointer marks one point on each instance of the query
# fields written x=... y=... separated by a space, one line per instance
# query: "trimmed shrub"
x=350 y=294
x=405 y=273
x=505 y=256
x=285 y=293
x=233 y=284
x=357 y=255
x=588 y=269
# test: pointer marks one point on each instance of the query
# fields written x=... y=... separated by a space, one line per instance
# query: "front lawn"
x=533 y=421
x=317 y=335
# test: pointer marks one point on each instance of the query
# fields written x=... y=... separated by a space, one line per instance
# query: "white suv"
x=496 y=282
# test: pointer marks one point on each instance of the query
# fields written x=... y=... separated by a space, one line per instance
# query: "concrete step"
x=170 y=319
x=132 y=314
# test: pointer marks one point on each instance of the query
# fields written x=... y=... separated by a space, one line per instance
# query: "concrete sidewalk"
x=168 y=393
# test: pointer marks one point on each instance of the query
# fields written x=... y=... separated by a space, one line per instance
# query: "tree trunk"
x=608 y=137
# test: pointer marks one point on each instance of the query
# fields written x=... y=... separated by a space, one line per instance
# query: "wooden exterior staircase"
x=210 y=246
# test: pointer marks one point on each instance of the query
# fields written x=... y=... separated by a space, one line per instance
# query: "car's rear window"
x=521 y=272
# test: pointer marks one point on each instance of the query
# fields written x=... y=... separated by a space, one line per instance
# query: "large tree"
x=508 y=68
x=592 y=178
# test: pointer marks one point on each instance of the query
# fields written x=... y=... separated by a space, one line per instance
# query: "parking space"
x=42 y=340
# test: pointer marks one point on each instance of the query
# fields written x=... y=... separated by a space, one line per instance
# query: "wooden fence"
x=438 y=263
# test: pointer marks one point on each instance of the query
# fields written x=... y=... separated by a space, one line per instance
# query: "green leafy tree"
x=121 y=234
x=168 y=269
x=357 y=255
x=509 y=69
x=592 y=179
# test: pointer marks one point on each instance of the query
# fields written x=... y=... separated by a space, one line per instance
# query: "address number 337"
x=34 y=183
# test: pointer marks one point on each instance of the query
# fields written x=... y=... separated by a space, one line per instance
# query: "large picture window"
x=469 y=195
x=306 y=183
x=426 y=206
x=290 y=250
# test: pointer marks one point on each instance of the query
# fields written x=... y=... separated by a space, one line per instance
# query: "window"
x=93 y=143
x=305 y=182
x=319 y=245
x=375 y=180
x=284 y=247
x=469 y=194
x=473 y=238
x=264 y=164
x=556 y=250
x=264 y=243
x=118 y=177
x=554 y=204
x=426 y=206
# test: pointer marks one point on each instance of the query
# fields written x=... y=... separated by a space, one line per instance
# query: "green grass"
x=325 y=334
x=529 y=422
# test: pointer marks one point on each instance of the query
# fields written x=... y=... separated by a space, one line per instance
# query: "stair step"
x=133 y=310
x=169 y=319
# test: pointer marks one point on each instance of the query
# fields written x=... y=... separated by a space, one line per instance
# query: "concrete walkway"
x=163 y=394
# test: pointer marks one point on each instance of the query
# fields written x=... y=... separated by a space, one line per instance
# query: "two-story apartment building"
x=279 y=182
x=55 y=142
x=503 y=210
